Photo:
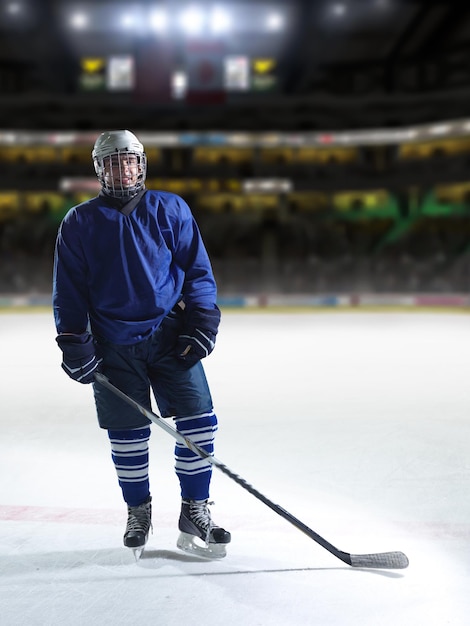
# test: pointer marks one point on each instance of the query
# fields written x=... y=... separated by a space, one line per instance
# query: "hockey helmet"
x=120 y=163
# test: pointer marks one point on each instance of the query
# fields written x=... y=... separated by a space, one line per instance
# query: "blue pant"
x=179 y=392
x=150 y=364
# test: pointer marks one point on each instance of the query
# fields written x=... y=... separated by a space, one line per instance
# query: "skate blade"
x=138 y=553
x=193 y=545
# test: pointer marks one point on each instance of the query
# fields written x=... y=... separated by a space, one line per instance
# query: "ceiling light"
x=14 y=8
x=275 y=21
x=158 y=20
x=192 y=20
x=127 y=20
x=338 y=9
x=219 y=21
x=79 y=20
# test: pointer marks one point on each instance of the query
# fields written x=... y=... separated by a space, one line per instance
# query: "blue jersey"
x=122 y=274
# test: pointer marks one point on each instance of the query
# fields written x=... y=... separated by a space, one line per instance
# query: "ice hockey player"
x=134 y=297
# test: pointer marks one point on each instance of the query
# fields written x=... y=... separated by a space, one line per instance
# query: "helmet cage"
x=105 y=168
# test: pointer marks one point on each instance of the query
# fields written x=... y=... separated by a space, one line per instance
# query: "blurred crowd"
x=27 y=242
x=282 y=251
x=323 y=253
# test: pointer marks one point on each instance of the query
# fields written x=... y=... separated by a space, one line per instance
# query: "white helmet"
x=121 y=144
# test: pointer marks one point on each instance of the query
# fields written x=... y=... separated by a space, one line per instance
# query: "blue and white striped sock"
x=193 y=472
x=130 y=454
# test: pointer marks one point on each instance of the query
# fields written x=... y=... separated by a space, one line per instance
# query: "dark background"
x=359 y=131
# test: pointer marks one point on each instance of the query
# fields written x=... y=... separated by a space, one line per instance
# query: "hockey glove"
x=79 y=360
x=198 y=339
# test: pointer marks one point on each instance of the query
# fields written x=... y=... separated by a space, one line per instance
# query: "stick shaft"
x=381 y=560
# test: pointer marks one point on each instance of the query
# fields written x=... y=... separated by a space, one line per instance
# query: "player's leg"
x=184 y=394
x=130 y=455
x=129 y=433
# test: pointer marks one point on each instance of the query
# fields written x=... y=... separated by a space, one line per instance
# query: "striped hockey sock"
x=193 y=472
x=130 y=454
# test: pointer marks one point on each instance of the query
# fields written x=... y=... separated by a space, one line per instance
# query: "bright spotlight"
x=219 y=21
x=192 y=20
x=275 y=21
x=127 y=20
x=79 y=20
x=179 y=84
x=158 y=20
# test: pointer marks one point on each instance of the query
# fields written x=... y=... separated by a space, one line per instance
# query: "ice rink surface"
x=356 y=423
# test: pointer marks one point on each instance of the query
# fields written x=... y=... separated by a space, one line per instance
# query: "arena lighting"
x=158 y=20
x=338 y=9
x=179 y=84
x=440 y=129
x=274 y=22
x=191 y=20
x=366 y=137
x=267 y=185
x=219 y=20
x=79 y=21
x=14 y=8
x=128 y=20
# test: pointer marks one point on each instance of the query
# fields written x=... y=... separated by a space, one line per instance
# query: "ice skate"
x=139 y=523
x=199 y=535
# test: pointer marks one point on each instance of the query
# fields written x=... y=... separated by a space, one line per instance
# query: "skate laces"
x=200 y=516
x=139 y=518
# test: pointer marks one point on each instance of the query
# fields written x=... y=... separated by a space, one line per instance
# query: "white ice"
x=357 y=423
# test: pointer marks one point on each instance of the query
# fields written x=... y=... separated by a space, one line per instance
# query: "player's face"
x=121 y=170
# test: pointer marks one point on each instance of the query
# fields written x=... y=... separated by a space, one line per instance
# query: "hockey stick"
x=382 y=560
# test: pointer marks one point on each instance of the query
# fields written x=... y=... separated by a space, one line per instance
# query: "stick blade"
x=382 y=560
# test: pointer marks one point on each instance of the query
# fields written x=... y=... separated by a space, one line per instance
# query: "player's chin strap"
x=382 y=560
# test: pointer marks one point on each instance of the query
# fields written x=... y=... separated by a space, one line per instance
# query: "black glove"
x=198 y=338
x=79 y=360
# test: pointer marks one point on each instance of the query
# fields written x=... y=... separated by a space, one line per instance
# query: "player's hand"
x=198 y=339
x=79 y=360
x=192 y=348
